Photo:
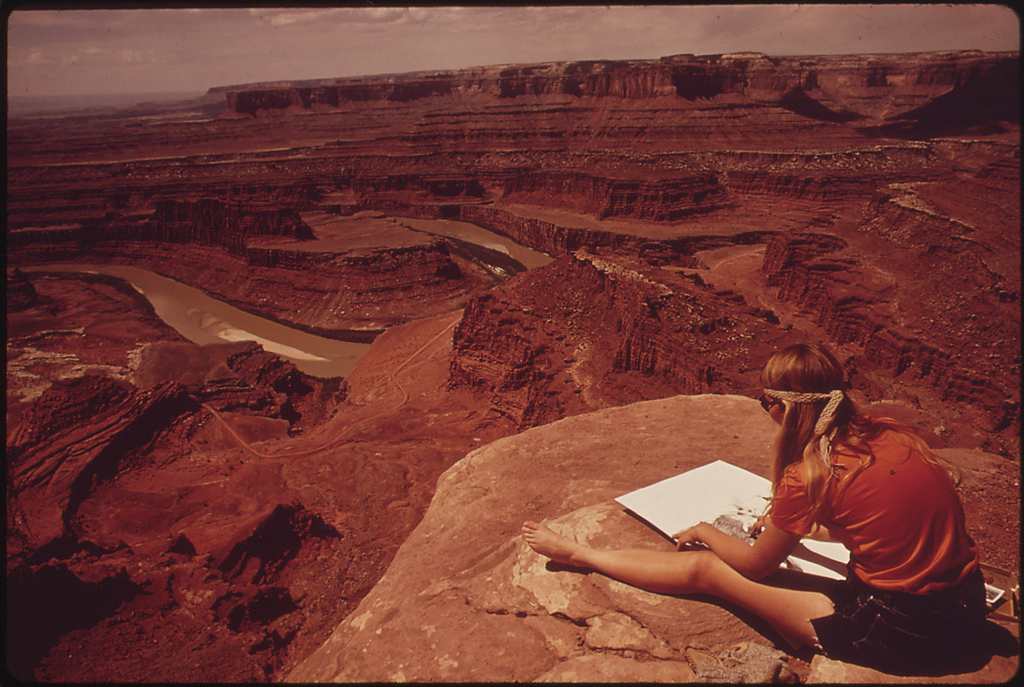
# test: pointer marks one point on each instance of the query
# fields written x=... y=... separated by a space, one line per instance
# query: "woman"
x=914 y=587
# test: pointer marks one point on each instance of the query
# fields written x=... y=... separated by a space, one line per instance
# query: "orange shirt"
x=903 y=523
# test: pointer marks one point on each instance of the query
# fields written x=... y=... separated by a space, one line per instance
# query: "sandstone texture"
x=692 y=214
x=466 y=600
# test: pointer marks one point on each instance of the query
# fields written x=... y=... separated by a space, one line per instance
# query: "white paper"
x=716 y=489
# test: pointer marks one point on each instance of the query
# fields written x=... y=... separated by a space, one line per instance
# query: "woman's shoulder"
x=795 y=473
x=891 y=435
x=877 y=430
x=878 y=439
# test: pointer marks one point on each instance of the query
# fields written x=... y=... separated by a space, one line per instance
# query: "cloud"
x=36 y=57
x=351 y=16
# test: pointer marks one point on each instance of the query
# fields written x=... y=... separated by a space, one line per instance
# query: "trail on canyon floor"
x=392 y=376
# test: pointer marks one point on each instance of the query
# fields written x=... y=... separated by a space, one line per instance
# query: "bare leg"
x=688 y=572
x=657 y=571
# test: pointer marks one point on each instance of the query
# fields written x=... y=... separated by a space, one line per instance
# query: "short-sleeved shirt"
x=900 y=518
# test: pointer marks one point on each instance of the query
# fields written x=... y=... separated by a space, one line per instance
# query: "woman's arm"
x=818 y=532
x=753 y=561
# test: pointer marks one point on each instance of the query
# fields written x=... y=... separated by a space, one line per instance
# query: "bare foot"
x=556 y=547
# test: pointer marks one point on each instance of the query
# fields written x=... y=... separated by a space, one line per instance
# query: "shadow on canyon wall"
x=700 y=211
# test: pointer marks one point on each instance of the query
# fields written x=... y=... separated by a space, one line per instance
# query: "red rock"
x=77 y=434
x=466 y=599
x=724 y=205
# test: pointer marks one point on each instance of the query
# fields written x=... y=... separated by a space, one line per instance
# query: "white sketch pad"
x=705 y=493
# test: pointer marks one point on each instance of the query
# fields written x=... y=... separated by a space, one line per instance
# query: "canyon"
x=698 y=212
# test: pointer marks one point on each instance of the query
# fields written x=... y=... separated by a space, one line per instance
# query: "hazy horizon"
x=165 y=94
x=113 y=52
x=22 y=105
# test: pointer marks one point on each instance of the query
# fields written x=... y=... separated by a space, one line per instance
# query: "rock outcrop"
x=212 y=221
x=466 y=600
x=51 y=468
x=891 y=87
x=574 y=335
x=700 y=211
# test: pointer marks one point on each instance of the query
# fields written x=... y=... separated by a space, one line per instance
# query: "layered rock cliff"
x=252 y=256
x=221 y=223
x=887 y=86
x=702 y=210
x=587 y=325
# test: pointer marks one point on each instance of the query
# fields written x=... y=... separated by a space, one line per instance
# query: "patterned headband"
x=828 y=414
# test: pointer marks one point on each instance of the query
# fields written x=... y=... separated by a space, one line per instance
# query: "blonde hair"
x=810 y=373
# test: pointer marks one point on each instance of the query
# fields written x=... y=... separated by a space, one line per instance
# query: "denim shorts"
x=898 y=632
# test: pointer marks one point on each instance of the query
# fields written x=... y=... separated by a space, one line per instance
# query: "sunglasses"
x=768 y=403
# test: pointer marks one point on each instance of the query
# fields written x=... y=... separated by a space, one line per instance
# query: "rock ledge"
x=466 y=600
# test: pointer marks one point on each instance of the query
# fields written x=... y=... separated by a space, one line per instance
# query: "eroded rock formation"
x=701 y=212
x=590 y=326
x=113 y=510
x=838 y=89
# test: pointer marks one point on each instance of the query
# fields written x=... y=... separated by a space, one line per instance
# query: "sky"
x=108 y=51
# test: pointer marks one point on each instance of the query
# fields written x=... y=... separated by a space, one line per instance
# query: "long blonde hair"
x=810 y=368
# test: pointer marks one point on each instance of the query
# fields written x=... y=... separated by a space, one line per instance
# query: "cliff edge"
x=466 y=600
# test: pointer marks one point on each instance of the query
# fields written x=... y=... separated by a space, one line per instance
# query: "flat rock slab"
x=466 y=600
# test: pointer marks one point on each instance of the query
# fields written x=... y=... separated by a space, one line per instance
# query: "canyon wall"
x=223 y=223
x=840 y=89
x=587 y=324
x=240 y=253
x=701 y=212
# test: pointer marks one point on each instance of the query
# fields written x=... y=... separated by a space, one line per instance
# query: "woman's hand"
x=754 y=561
x=757 y=527
x=693 y=536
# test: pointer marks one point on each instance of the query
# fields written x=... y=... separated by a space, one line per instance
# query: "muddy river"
x=473 y=234
x=204 y=320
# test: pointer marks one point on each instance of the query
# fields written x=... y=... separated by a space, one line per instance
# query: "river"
x=204 y=320
x=465 y=231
